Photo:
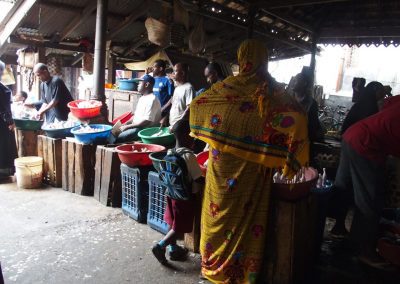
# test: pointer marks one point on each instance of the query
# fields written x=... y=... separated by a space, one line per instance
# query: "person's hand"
x=11 y=127
x=164 y=121
x=149 y=70
x=39 y=115
x=123 y=128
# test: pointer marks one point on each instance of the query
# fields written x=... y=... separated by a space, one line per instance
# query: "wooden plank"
x=192 y=240
x=50 y=159
x=98 y=172
x=78 y=19
x=106 y=177
x=85 y=159
x=291 y=246
x=14 y=21
x=79 y=169
x=46 y=159
x=71 y=166
x=40 y=145
x=58 y=152
x=116 y=183
x=89 y=164
x=65 y=165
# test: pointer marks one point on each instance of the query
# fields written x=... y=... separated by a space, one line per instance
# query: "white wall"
x=372 y=63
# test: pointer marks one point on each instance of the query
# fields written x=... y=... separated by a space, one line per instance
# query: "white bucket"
x=28 y=171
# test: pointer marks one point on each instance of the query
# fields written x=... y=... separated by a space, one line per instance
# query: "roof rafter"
x=78 y=19
x=14 y=21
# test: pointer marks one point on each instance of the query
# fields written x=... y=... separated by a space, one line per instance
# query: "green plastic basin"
x=165 y=139
x=27 y=124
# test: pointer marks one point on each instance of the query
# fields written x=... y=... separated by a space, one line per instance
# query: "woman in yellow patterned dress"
x=251 y=127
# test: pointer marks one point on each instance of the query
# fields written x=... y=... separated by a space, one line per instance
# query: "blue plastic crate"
x=134 y=192
x=157 y=204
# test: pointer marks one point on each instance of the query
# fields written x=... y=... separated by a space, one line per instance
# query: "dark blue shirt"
x=56 y=90
x=163 y=89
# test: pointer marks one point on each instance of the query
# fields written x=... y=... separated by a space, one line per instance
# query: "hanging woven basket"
x=158 y=32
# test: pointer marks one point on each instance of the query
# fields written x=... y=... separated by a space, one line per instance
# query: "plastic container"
x=156 y=159
x=127 y=155
x=29 y=171
x=201 y=159
x=84 y=113
x=165 y=139
x=157 y=204
x=123 y=118
x=95 y=137
x=28 y=124
x=293 y=192
x=127 y=85
x=59 y=133
x=135 y=192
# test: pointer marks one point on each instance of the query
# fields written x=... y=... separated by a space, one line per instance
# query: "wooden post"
x=99 y=55
x=313 y=60
x=110 y=65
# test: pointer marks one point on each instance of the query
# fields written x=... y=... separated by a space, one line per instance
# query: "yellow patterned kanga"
x=251 y=127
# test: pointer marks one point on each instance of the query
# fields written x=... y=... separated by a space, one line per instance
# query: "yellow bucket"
x=29 y=171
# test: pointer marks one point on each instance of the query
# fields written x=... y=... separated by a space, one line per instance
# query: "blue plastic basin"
x=59 y=133
x=127 y=85
x=93 y=138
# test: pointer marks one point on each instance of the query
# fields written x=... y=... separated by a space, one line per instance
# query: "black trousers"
x=366 y=178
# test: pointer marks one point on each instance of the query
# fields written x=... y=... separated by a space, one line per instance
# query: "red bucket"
x=201 y=159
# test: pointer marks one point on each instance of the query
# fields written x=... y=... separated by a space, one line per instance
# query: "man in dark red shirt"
x=365 y=147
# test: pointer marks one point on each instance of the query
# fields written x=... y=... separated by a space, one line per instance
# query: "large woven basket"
x=158 y=32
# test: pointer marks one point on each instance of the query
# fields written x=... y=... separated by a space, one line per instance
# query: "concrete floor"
x=52 y=236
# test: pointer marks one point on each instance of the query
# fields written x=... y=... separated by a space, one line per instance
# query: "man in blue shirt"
x=163 y=88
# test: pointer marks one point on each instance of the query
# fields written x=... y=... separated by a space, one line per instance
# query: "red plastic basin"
x=389 y=250
x=83 y=113
x=123 y=118
x=201 y=159
x=133 y=159
x=292 y=192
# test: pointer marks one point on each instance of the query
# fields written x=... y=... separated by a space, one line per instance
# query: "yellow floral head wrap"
x=252 y=54
x=250 y=117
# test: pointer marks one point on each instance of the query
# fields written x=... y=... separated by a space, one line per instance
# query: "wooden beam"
x=139 y=11
x=290 y=21
x=360 y=32
x=14 y=21
x=233 y=22
x=25 y=42
x=135 y=45
x=14 y=8
x=274 y=4
x=75 y=9
x=78 y=19
x=77 y=59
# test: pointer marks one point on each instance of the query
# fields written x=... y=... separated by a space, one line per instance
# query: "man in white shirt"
x=147 y=113
x=183 y=95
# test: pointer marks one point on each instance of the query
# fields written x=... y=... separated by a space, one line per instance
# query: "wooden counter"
x=119 y=102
